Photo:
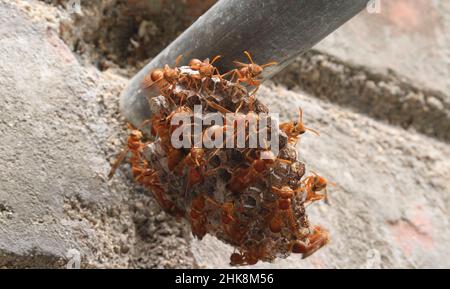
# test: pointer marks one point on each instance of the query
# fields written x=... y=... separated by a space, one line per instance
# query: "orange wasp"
x=284 y=207
x=294 y=129
x=135 y=146
x=319 y=238
x=196 y=163
x=205 y=68
x=182 y=110
x=164 y=77
x=162 y=128
x=233 y=227
x=149 y=178
x=140 y=170
x=314 y=184
x=248 y=73
x=244 y=177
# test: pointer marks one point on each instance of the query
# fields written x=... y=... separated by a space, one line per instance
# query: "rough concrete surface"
x=410 y=37
x=61 y=129
x=387 y=97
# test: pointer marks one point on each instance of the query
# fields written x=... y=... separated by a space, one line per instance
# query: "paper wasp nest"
x=247 y=197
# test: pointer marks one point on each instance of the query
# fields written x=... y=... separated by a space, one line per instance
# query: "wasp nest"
x=251 y=197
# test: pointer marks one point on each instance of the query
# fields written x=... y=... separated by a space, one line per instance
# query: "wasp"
x=243 y=177
x=196 y=163
x=284 y=209
x=314 y=184
x=294 y=129
x=232 y=226
x=164 y=78
x=205 y=68
x=149 y=178
x=162 y=128
x=140 y=169
x=314 y=241
x=248 y=73
x=135 y=146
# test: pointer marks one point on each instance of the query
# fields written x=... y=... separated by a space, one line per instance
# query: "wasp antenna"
x=178 y=59
x=276 y=189
x=213 y=154
x=148 y=82
x=313 y=131
x=266 y=144
x=117 y=163
x=239 y=64
x=300 y=115
x=212 y=201
x=285 y=161
x=314 y=173
x=252 y=101
x=249 y=56
x=217 y=107
x=269 y=64
x=144 y=123
x=216 y=58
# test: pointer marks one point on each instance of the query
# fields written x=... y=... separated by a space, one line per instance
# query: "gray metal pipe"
x=271 y=30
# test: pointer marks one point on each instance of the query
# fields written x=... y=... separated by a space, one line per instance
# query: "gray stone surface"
x=389 y=97
x=410 y=37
